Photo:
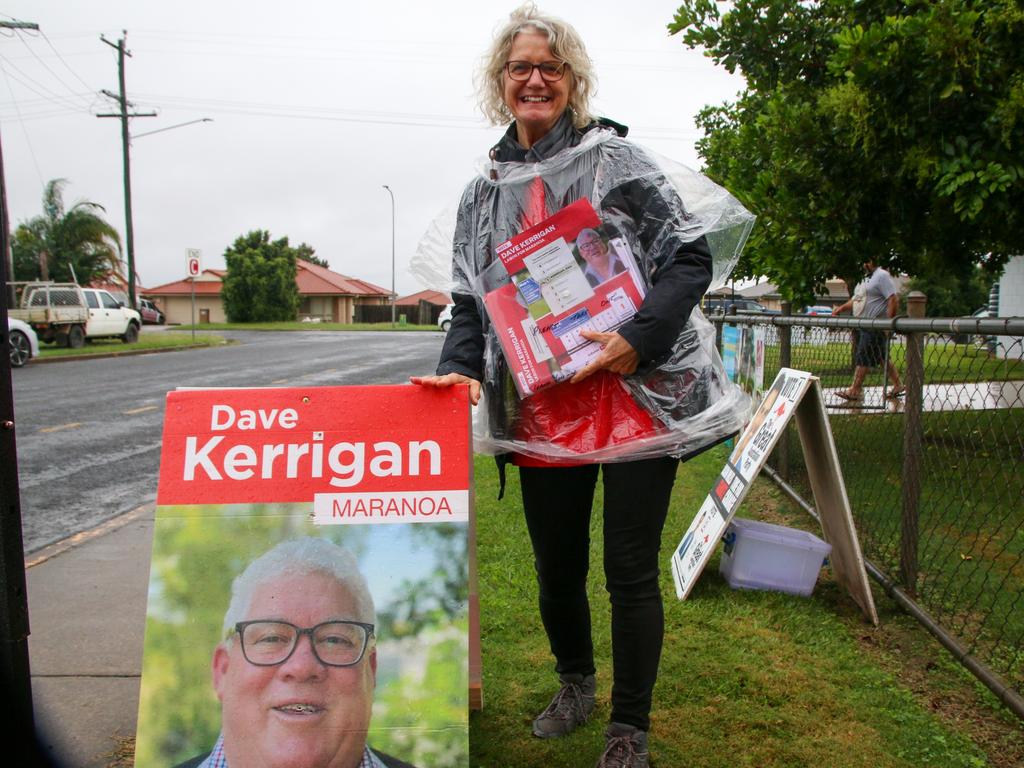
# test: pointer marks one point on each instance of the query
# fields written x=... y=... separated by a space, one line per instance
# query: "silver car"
x=444 y=320
x=22 y=341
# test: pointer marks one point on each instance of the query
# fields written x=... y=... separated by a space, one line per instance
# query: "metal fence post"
x=912 y=446
x=785 y=360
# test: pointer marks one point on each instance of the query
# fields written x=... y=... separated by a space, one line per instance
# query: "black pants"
x=558 y=503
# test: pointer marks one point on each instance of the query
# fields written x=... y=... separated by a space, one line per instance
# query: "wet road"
x=88 y=431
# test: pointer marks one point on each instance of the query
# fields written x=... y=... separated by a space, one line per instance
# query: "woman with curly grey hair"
x=538 y=77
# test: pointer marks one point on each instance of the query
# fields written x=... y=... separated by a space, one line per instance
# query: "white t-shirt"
x=860 y=298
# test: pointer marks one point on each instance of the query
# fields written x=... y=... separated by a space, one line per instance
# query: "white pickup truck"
x=109 y=317
x=65 y=314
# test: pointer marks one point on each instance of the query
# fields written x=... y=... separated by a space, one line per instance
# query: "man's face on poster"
x=300 y=713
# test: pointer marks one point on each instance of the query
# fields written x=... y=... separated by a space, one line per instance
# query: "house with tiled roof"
x=431 y=297
x=323 y=295
x=332 y=297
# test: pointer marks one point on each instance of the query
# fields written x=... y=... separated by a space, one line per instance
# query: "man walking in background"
x=880 y=300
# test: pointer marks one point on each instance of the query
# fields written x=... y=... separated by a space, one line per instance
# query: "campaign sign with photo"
x=730 y=349
x=750 y=363
x=568 y=274
x=747 y=457
x=309 y=586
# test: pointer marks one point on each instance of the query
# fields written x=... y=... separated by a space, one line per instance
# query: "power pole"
x=15 y=673
x=123 y=103
x=8 y=255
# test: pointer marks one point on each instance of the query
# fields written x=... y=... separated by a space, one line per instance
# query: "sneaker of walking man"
x=571 y=706
x=625 y=747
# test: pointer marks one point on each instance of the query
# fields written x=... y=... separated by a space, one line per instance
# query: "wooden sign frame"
x=799 y=394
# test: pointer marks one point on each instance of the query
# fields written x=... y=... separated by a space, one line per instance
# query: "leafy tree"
x=873 y=128
x=260 y=282
x=950 y=295
x=78 y=239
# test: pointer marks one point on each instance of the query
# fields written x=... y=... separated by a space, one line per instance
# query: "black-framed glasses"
x=334 y=643
x=550 y=71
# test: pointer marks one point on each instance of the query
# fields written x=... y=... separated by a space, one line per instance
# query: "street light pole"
x=392 y=253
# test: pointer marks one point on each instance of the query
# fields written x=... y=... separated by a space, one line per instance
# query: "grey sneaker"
x=625 y=747
x=571 y=706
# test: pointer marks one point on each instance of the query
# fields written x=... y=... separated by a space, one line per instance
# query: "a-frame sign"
x=799 y=393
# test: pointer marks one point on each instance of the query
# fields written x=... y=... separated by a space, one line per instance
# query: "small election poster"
x=730 y=349
x=732 y=484
x=750 y=363
x=792 y=394
x=309 y=587
x=567 y=274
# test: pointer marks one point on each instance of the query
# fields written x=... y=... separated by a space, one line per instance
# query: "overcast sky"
x=315 y=105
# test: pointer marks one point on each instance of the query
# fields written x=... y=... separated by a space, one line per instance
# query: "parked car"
x=22 y=341
x=150 y=314
x=444 y=320
x=110 y=317
x=724 y=306
x=818 y=309
x=970 y=338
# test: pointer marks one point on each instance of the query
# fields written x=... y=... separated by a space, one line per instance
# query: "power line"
x=66 y=65
x=300 y=110
x=305 y=112
x=29 y=117
x=26 y=79
x=28 y=140
x=46 y=66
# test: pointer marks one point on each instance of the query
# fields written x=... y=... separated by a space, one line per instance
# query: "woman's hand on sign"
x=448 y=380
x=617 y=355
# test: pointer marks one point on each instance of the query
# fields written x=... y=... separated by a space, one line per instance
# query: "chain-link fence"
x=931 y=444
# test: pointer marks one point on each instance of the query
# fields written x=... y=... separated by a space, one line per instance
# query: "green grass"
x=747 y=678
x=971 y=520
x=295 y=325
x=147 y=342
x=943 y=363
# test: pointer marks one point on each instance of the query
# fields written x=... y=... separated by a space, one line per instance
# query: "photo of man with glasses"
x=296 y=670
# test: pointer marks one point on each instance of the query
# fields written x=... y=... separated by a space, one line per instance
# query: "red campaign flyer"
x=568 y=274
x=309 y=591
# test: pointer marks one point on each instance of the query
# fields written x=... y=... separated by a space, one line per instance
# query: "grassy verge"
x=294 y=325
x=970 y=522
x=146 y=342
x=747 y=678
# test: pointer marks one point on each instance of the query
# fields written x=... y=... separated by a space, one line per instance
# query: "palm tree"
x=51 y=245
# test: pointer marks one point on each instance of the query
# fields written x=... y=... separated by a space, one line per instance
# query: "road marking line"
x=280 y=381
x=58 y=428
x=143 y=409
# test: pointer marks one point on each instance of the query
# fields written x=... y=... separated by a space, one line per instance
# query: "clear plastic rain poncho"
x=678 y=404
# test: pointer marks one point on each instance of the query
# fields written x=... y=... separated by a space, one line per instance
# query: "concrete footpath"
x=87 y=611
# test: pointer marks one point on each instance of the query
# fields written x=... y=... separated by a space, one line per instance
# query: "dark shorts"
x=870 y=348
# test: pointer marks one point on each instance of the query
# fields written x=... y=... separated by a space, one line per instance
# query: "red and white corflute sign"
x=381 y=454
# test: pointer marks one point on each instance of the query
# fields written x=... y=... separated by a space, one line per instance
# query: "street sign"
x=193 y=266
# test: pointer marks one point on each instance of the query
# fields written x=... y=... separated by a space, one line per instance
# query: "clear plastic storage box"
x=764 y=556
